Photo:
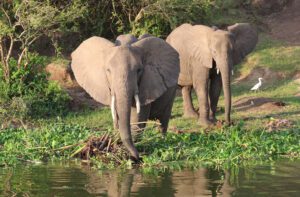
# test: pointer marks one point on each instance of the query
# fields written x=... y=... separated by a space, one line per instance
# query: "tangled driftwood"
x=108 y=147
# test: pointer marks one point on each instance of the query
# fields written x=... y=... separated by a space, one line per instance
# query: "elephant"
x=125 y=39
x=207 y=56
x=128 y=39
x=136 y=78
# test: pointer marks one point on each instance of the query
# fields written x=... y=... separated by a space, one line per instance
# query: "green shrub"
x=160 y=17
x=52 y=100
x=30 y=85
x=28 y=79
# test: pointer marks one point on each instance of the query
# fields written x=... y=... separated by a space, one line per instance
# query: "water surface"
x=281 y=178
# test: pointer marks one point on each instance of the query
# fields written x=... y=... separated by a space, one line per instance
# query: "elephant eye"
x=108 y=70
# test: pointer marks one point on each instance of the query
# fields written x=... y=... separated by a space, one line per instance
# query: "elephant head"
x=227 y=48
x=125 y=76
x=128 y=39
x=125 y=39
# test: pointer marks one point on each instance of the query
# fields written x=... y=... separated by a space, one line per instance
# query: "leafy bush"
x=160 y=17
x=29 y=78
x=51 y=100
x=29 y=83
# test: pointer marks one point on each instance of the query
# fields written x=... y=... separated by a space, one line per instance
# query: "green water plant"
x=217 y=147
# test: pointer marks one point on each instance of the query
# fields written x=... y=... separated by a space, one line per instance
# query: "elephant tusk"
x=232 y=72
x=138 y=104
x=112 y=107
x=218 y=71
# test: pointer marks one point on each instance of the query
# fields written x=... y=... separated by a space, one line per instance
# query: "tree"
x=22 y=22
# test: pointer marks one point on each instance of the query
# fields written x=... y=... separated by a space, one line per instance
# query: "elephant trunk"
x=225 y=73
x=123 y=103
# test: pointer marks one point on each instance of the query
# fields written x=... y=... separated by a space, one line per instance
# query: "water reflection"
x=201 y=182
x=69 y=179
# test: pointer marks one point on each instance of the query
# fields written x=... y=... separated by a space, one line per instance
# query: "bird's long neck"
x=259 y=80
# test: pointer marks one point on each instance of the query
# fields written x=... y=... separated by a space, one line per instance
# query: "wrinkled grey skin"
x=125 y=39
x=128 y=39
x=204 y=50
x=114 y=74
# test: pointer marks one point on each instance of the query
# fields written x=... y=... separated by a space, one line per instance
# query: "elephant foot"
x=163 y=130
x=190 y=114
x=134 y=156
x=205 y=122
x=136 y=161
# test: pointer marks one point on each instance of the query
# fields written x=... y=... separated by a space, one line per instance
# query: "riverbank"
x=266 y=123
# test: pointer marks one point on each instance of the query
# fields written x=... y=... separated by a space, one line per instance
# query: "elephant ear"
x=161 y=68
x=88 y=68
x=201 y=53
x=246 y=37
x=195 y=47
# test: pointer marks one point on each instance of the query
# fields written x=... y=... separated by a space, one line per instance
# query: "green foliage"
x=162 y=16
x=30 y=86
x=230 y=4
x=52 y=100
x=273 y=55
x=28 y=79
x=39 y=144
x=158 y=17
x=13 y=111
x=234 y=144
x=23 y=22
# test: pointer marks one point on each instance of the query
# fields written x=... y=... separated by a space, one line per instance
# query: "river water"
x=280 y=178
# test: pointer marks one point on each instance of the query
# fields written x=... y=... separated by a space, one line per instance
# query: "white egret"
x=258 y=85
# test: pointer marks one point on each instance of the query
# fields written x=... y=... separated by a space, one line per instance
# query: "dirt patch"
x=254 y=104
x=265 y=7
x=80 y=99
x=285 y=25
x=268 y=76
x=59 y=73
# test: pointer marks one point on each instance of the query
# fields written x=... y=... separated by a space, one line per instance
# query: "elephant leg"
x=165 y=116
x=201 y=86
x=189 y=111
x=161 y=109
x=214 y=94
